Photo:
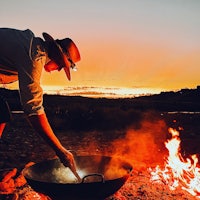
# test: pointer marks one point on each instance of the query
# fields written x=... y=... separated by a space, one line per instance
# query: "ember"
x=177 y=171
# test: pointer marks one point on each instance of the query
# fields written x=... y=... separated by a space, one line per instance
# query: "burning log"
x=7 y=187
x=11 y=181
x=13 y=186
x=8 y=175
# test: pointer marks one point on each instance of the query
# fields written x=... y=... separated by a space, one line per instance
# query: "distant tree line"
x=81 y=113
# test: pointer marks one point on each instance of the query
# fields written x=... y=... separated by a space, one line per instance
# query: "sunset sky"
x=152 y=44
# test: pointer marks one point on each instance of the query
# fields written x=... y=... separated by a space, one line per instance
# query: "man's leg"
x=5 y=115
x=2 y=126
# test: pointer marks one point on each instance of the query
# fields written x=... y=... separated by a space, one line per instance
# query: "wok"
x=101 y=177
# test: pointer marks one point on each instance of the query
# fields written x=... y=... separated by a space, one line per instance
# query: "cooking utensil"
x=101 y=177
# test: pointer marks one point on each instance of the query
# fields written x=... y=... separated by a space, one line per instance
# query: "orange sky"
x=130 y=43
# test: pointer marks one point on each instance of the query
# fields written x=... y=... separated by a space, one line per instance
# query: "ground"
x=21 y=145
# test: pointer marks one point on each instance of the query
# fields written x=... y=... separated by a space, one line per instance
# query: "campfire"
x=178 y=172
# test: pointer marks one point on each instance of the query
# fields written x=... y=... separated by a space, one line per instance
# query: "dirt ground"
x=21 y=145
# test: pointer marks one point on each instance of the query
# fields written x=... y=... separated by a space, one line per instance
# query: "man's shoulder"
x=16 y=32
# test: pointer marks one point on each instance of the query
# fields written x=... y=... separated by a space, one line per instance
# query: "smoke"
x=143 y=146
x=141 y=143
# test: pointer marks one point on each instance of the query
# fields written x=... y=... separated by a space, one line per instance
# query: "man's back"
x=14 y=47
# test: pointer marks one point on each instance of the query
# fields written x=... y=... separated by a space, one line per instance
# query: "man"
x=22 y=58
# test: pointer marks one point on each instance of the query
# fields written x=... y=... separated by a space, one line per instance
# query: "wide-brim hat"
x=63 y=52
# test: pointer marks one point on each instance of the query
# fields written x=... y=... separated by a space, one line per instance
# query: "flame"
x=177 y=171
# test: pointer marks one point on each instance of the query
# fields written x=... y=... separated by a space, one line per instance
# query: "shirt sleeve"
x=29 y=80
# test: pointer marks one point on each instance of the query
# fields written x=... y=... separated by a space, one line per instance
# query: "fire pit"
x=101 y=177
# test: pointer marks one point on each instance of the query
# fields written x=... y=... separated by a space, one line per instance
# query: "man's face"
x=51 y=66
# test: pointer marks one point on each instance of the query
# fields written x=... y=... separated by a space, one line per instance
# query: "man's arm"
x=41 y=125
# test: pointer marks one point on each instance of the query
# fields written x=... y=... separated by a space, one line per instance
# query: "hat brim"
x=58 y=56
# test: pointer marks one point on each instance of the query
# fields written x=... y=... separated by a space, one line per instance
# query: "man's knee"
x=5 y=114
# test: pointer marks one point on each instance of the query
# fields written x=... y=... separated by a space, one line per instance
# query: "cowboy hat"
x=63 y=52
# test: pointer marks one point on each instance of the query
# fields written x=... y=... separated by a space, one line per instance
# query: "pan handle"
x=92 y=175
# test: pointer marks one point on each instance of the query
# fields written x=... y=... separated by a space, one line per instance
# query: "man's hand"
x=67 y=158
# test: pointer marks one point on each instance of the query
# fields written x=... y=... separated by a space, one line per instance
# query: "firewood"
x=9 y=175
x=29 y=164
x=7 y=187
x=20 y=181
